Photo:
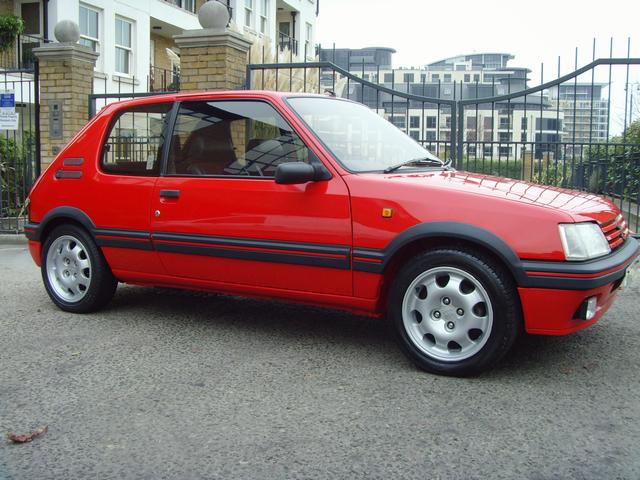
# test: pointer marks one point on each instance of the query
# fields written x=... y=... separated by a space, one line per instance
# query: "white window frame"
x=124 y=47
x=264 y=17
x=87 y=37
x=248 y=13
x=308 y=34
x=18 y=13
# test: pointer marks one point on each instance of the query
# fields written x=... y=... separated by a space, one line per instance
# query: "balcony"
x=163 y=80
x=188 y=5
x=285 y=41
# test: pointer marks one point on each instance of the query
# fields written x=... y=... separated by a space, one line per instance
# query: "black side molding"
x=70 y=174
x=73 y=161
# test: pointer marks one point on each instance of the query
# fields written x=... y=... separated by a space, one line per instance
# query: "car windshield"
x=359 y=138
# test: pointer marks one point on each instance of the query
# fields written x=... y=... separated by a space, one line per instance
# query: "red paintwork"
x=345 y=210
x=550 y=312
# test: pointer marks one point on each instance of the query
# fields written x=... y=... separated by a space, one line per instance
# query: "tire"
x=455 y=311
x=75 y=273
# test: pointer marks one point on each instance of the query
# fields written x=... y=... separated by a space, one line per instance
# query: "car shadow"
x=302 y=323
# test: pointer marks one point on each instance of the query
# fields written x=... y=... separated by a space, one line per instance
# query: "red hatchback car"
x=320 y=200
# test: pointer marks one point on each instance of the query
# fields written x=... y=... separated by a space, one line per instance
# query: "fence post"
x=213 y=57
x=460 y=136
x=66 y=80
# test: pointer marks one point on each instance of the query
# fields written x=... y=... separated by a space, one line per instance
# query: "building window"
x=435 y=77
x=414 y=121
x=124 y=52
x=399 y=121
x=467 y=78
x=447 y=77
x=504 y=137
x=423 y=77
x=89 y=28
x=431 y=136
x=523 y=123
x=264 y=13
x=476 y=77
x=415 y=135
x=431 y=122
x=248 y=12
x=472 y=122
x=408 y=78
x=388 y=78
x=32 y=16
x=308 y=38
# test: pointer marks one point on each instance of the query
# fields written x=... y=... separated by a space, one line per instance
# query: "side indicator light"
x=387 y=212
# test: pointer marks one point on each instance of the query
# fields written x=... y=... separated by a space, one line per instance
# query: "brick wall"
x=212 y=68
x=66 y=75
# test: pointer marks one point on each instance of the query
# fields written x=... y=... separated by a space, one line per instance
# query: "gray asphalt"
x=167 y=385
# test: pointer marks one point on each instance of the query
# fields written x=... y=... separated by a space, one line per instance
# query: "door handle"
x=170 y=194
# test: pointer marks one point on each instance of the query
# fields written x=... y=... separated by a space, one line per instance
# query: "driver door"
x=219 y=216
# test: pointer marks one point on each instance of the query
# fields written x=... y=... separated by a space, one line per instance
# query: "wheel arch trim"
x=34 y=231
x=376 y=261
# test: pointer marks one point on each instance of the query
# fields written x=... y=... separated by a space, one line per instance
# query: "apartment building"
x=135 y=37
x=586 y=112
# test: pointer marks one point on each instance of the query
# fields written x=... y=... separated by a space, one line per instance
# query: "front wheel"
x=75 y=273
x=456 y=312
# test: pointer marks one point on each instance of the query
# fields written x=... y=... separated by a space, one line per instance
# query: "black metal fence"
x=577 y=131
x=19 y=144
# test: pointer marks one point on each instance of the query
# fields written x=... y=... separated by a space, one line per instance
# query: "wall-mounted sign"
x=8 y=120
x=7 y=101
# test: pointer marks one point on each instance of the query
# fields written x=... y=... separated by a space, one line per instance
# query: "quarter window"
x=232 y=138
x=134 y=144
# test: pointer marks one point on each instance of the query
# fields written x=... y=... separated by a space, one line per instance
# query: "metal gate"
x=558 y=134
x=19 y=143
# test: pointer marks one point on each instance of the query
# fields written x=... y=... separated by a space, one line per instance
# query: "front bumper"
x=554 y=291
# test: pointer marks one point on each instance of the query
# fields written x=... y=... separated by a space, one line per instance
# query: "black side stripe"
x=328 y=256
x=122 y=243
x=133 y=239
x=261 y=256
x=250 y=243
x=368 y=260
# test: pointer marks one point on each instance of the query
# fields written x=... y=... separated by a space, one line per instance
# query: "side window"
x=234 y=138
x=134 y=144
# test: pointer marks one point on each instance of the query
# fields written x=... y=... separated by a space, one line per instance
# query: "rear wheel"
x=75 y=273
x=456 y=312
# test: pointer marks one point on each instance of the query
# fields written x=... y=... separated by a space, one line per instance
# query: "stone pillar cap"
x=212 y=37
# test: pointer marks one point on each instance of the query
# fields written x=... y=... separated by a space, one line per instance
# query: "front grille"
x=616 y=232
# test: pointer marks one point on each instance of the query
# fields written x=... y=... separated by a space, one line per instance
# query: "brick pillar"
x=212 y=59
x=66 y=80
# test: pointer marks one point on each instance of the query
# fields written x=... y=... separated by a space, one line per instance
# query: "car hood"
x=580 y=206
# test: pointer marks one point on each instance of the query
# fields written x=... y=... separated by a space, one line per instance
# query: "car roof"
x=205 y=94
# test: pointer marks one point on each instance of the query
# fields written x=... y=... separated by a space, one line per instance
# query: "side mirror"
x=290 y=173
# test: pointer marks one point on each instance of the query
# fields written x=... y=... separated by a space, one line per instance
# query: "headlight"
x=583 y=241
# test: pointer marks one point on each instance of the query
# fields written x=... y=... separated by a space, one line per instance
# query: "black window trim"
x=114 y=118
x=173 y=118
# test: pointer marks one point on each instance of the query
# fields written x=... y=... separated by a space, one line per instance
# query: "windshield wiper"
x=427 y=161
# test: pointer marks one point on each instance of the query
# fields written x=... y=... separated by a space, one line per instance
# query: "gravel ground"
x=171 y=385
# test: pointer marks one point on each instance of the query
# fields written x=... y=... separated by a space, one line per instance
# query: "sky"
x=423 y=31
